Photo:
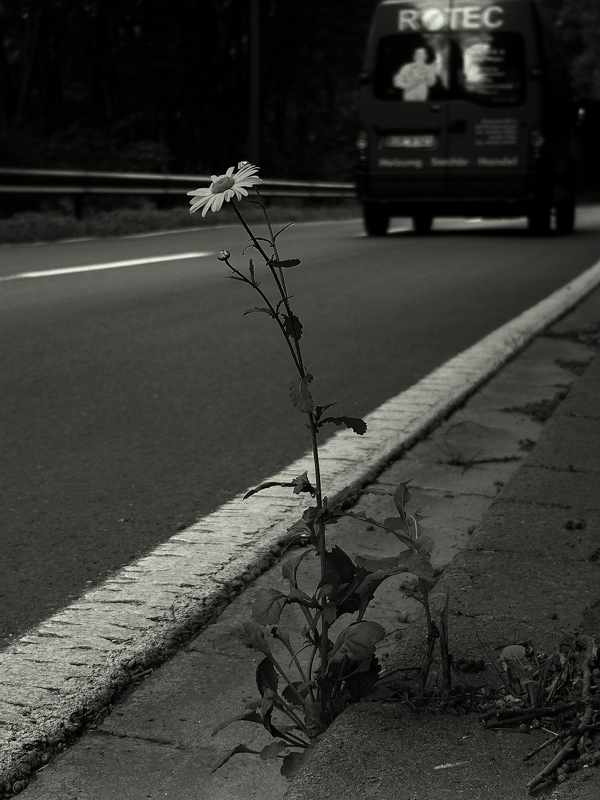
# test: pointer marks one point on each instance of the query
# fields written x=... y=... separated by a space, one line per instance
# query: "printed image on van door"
x=412 y=68
x=490 y=68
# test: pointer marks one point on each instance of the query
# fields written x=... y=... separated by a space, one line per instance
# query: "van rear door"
x=492 y=48
x=404 y=106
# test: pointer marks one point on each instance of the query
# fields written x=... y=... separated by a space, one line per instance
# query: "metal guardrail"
x=79 y=183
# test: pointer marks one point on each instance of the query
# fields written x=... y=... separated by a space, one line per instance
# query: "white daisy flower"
x=224 y=188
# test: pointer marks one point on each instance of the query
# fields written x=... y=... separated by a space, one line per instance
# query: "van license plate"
x=412 y=142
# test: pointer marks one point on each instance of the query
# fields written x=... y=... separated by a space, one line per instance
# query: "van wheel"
x=422 y=223
x=565 y=216
x=376 y=218
x=539 y=221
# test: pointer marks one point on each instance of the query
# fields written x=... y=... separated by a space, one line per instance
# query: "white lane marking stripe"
x=131 y=262
x=66 y=662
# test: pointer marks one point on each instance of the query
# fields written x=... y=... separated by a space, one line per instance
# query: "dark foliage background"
x=163 y=85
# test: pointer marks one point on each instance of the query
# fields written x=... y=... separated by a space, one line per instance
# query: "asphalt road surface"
x=138 y=398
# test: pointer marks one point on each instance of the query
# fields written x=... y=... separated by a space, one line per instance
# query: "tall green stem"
x=277 y=273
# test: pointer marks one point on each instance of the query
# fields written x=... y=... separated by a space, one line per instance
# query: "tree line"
x=163 y=85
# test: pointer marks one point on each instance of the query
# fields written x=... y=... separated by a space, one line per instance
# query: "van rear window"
x=490 y=68
x=487 y=68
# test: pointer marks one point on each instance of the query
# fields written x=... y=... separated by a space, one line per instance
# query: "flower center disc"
x=222 y=184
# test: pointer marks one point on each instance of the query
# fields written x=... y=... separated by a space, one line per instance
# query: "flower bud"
x=223 y=255
x=243 y=164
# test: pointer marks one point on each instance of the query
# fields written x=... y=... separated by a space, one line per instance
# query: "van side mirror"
x=365 y=77
x=581 y=115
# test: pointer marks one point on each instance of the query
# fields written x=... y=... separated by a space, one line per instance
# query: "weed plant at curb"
x=307 y=677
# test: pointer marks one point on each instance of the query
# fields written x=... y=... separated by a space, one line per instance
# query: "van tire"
x=422 y=223
x=376 y=218
x=565 y=216
x=538 y=221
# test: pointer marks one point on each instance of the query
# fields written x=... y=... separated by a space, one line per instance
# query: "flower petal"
x=248 y=168
x=217 y=202
x=198 y=203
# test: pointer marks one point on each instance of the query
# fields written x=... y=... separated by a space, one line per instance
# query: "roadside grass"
x=59 y=223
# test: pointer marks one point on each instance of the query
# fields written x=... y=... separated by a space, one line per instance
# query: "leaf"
x=268 y=485
x=251 y=635
x=240 y=748
x=298 y=596
x=416 y=562
x=514 y=652
x=283 y=635
x=357 y=641
x=247 y=716
x=272 y=750
x=290 y=262
x=299 y=484
x=266 y=711
x=320 y=410
x=366 y=590
x=300 y=394
x=292 y=763
x=289 y=568
x=292 y=327
x=266 y=678
x=395 y=524
x=424 y=544
x=401 y=536
x=285 y=227
x=362 y=682
x=257 y=310
x=302 y=484
x=268 y=606
x=356 y=424
x=340 y=562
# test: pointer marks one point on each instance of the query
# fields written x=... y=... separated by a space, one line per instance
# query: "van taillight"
x=362 y=144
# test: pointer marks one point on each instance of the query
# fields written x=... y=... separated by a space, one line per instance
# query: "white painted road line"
x=74 y=657
x=131 y=262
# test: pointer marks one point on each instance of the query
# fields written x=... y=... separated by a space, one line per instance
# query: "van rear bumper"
x=475 y=206
x=492 y=195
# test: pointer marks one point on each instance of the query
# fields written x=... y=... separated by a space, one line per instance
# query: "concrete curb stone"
x=526 y=575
